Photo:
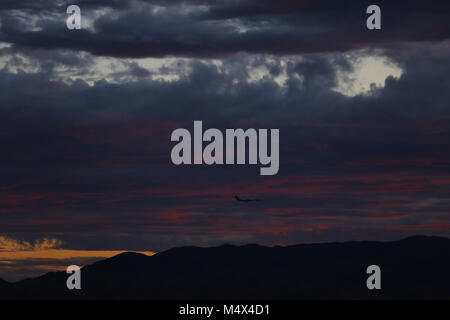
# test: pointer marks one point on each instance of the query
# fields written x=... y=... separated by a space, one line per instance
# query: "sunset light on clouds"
x=22 y=258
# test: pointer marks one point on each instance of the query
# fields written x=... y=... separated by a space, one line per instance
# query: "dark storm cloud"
x=219 y=29
x=45 y=5
x=224 y=94
x=80 y=159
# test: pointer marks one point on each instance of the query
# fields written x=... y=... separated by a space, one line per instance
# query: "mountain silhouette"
x=6 y=289
x=413 y=268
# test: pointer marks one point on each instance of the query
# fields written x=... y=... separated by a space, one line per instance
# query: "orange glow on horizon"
x=62 y=254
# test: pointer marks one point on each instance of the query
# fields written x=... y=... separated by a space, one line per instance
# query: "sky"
x=86 y=117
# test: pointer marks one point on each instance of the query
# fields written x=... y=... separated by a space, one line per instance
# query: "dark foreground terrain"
x=413 y=268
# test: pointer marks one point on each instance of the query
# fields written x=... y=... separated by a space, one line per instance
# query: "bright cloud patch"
x=369 y=72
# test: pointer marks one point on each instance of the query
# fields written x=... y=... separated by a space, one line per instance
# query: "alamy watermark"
x=218 y=152
x=74 y=280
x=374 y=280
x=374 y=20
x=73 y=21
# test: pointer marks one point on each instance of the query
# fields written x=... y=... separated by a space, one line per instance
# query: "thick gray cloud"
x=103 y=150
x=219 y=29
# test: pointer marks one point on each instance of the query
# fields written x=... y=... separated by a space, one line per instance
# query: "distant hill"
x=413 y=268
x=6 y=289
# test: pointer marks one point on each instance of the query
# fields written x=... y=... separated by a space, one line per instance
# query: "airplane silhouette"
x=245 y=200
